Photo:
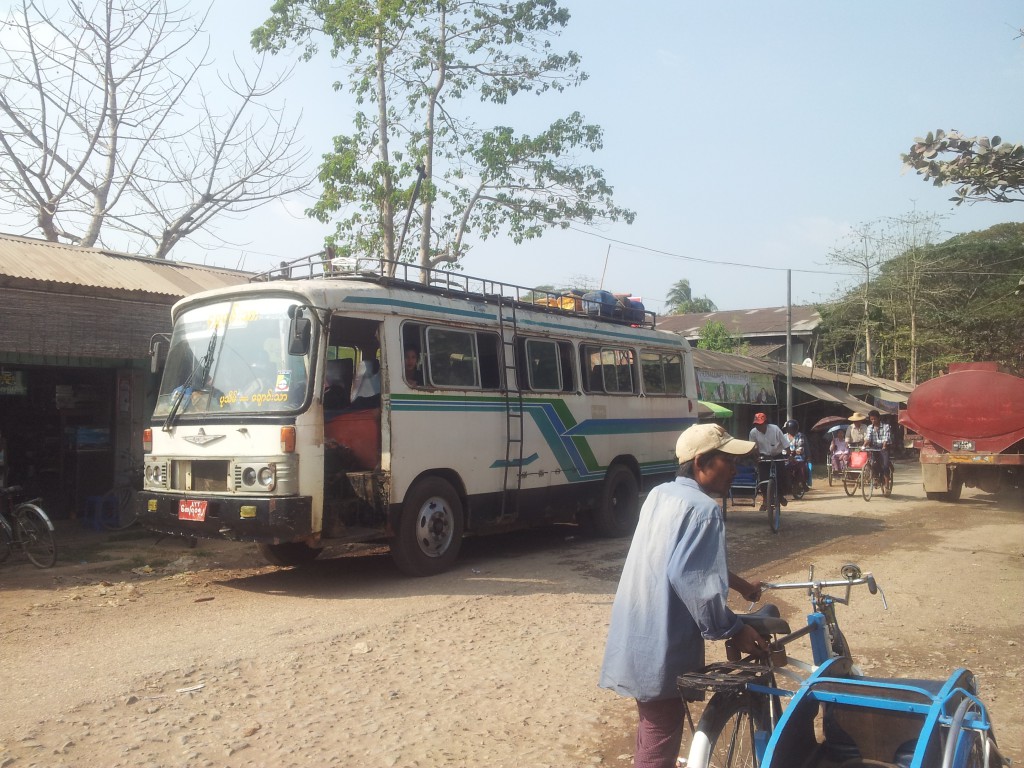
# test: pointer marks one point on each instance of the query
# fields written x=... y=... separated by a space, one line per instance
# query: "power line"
x=771 y=269
x=713 y=261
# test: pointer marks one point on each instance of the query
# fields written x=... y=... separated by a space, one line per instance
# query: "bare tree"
x=108 y=124
x=865 y=251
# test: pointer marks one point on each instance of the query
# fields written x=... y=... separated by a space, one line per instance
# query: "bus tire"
x=619 y=508
x=292 y=553
x=430 y=530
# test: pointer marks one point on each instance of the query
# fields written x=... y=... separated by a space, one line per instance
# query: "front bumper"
x=277 y=519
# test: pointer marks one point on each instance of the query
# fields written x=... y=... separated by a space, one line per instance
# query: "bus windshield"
x=232 y=356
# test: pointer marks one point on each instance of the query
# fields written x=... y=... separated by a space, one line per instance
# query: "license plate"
x=192 y=509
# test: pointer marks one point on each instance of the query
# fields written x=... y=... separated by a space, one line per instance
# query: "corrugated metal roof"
x=47 y=264
x=769 y=321
x=724 y=362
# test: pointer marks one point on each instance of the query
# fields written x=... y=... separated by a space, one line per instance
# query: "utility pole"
x=789 y=344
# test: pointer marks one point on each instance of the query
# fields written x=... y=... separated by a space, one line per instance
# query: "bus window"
x=544 y=372
x=451 y=358
x=611 y=369
x=662 y=372
x=488 y=345
x=565 y=355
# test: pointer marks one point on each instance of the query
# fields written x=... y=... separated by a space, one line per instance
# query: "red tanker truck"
x=971 y=427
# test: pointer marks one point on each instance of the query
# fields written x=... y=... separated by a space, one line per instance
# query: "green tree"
x=932 y=303
x=680 y=300
x=415 y=62
x=716 y=337
x=985 y=169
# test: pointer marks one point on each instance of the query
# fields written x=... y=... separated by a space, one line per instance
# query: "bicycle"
x=769 y=490
x=798 y=470
x=24 y=526
x=122 y=511
x=864 y=473
x=836 y=716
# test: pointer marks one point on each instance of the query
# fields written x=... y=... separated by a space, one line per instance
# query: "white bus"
x=357 y=406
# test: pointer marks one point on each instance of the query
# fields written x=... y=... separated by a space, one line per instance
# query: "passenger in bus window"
x=413 y=374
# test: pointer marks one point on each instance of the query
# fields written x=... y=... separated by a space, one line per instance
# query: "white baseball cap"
x=705 y=438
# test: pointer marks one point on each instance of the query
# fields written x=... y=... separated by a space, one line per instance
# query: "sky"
x=748 y=137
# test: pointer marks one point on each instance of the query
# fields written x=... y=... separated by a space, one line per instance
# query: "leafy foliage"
x=965 y=306
x=985 y=169
x=412 y=64
x=716 y=337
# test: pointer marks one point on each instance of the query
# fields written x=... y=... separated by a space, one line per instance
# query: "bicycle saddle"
x=766 y=620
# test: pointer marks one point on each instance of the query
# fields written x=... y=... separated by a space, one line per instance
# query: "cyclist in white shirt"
x=771 y=442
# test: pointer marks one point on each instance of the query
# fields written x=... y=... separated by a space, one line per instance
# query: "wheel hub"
x=434 y=527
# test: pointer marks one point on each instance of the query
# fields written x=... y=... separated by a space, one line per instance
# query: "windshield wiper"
x=200 y=371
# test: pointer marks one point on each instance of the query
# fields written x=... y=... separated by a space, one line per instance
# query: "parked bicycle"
x=836 y=716
x=25 y=527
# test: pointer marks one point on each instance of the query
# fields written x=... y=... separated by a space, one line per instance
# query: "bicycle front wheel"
x=887 y=482
x=773 y=506
x=850 y=481
x=867 y=482
x=35 y=532
x=725 y=734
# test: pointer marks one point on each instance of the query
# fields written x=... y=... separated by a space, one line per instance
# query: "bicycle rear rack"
x=724 y=676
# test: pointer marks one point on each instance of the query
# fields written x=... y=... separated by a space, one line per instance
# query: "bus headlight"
x=249 y=476
x=266 y=477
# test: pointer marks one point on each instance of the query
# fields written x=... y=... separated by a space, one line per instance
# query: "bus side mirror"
x=299 y=332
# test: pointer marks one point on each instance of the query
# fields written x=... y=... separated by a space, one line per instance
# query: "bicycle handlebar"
x=823 y=584
x=816 y=587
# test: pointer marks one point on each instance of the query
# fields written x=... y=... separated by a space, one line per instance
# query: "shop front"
x=76 y=385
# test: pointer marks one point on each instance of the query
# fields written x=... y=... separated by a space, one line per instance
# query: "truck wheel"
x=619 y=508
x=955 y=487
x=290 y=554
x=430 y=530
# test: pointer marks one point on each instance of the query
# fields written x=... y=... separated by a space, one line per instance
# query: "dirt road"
x=214 y=659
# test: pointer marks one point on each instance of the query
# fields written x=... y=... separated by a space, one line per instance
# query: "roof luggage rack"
x=603 y=306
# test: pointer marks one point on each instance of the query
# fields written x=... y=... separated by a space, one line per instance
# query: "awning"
x=712 y=410
x=890 y=397
x=818 y=393
x=833 y=394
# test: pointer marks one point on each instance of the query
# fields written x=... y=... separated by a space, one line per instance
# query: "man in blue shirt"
x=673 y=590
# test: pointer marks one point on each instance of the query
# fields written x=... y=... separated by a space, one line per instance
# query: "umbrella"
x=829 y=421
x=836 y=428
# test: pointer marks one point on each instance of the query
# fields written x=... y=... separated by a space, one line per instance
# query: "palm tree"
x=680 y=300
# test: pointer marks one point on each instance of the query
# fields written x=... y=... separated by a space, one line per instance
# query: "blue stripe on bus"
x=501 y=464
x=559 y=437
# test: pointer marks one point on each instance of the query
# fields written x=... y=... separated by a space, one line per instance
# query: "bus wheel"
x=292 y=553
x=619 y=508
x=430 y=531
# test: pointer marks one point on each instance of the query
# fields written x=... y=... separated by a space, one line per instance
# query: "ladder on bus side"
x=513 y=480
